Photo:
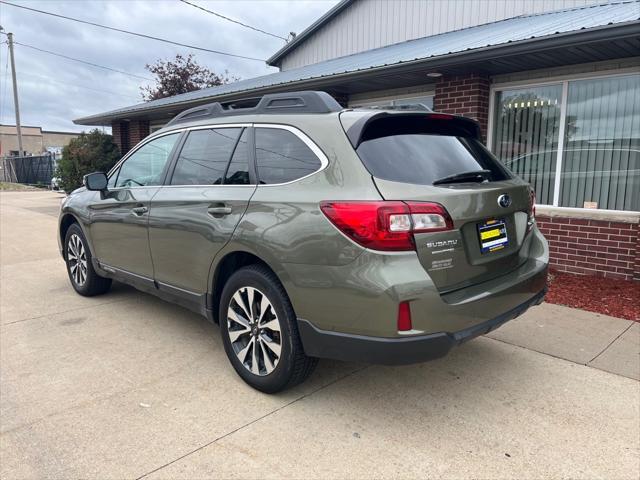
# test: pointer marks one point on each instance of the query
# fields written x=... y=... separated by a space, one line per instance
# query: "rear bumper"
x=399 y=351
x=361 y=298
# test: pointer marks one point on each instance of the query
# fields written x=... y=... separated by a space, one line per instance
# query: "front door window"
x=145 y=167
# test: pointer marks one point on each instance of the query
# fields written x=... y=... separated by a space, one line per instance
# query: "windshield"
x=416 y=155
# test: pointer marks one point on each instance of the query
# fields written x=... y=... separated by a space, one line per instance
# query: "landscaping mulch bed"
x=617 y=298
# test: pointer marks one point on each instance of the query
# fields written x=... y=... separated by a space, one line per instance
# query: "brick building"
x=555 y=85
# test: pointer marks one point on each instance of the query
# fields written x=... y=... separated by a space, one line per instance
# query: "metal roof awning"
x=565 y=37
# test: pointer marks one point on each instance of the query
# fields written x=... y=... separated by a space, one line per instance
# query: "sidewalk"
x=598 y=341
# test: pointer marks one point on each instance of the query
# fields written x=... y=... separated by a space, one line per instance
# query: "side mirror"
x=96 y=181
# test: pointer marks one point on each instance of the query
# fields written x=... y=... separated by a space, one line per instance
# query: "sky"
x=53 y=90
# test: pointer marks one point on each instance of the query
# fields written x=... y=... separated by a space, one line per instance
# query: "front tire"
x=260 y=331
x=82 y=275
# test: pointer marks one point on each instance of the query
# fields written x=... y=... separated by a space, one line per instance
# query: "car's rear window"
x=419 y=151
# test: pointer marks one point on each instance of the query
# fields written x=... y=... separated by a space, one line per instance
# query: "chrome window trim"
x=112 y=269
x=221 y=125
x=324 y=161
x=152 y=137
x=202 y=186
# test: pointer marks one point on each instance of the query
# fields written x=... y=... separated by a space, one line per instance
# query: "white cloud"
x=53 y=91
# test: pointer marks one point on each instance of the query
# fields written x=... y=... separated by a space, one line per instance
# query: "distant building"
x=35 y=141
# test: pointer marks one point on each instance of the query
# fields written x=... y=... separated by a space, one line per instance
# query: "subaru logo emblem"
x=504 y=200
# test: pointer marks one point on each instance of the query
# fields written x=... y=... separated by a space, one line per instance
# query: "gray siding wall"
x=368 y=24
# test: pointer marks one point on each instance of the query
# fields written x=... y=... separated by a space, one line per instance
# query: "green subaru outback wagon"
x=311 y=231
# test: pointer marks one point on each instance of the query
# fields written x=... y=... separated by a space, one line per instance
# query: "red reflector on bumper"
x=404 y=317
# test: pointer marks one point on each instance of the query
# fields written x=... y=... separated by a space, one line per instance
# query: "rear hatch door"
x=440 y=158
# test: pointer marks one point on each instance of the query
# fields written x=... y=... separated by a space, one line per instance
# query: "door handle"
x=219 y=211
x=139 y=210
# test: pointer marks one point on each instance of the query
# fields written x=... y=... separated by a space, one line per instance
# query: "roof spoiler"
x=465 y=125
x=273 y=103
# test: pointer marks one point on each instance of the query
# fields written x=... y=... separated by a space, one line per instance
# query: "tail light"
x=387 y=226
x=532 y=210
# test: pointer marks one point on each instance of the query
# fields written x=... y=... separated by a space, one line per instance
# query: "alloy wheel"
x=254 y=330
x=77 y=258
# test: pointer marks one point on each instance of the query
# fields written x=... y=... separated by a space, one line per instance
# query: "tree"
x=181 y=75
x=90 y=152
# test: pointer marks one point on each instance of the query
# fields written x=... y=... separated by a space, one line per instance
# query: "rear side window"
x=282 y=156
x=410 y=150
x=204 y=156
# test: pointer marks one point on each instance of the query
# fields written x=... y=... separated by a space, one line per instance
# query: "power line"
x=232 y=20
x=79 y=60
x=83 y=61
x=150 y=37
x=49 y=79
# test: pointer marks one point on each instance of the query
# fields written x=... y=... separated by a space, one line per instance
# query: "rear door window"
x=204 y=157
x=238 y=171
x=409 y=150
x=281 y=156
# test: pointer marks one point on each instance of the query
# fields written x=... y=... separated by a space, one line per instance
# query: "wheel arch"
x=66 y=221
x=229 y=263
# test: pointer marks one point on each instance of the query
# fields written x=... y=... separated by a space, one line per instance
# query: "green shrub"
x=90 y=152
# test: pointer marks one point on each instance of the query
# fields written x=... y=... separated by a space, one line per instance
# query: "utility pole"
x=15 y=93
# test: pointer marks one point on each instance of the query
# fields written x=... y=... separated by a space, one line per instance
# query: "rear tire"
x=82 y=275
x=265 y=350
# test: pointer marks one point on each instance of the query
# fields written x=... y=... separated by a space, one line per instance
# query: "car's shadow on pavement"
x=484 y=363
x=481 y=358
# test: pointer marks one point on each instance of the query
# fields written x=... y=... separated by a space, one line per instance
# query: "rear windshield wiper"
x=475 y=176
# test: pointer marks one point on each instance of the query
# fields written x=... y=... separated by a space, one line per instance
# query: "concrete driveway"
x=128 y=386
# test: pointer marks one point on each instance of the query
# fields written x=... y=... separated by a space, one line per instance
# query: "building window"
x=426 y=101
x=601 y=158
x=577 y=142
x=527 y=125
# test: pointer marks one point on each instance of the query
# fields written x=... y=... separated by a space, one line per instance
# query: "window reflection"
x=527 y=124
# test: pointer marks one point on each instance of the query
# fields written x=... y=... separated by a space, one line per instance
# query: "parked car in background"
x=310 y=231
